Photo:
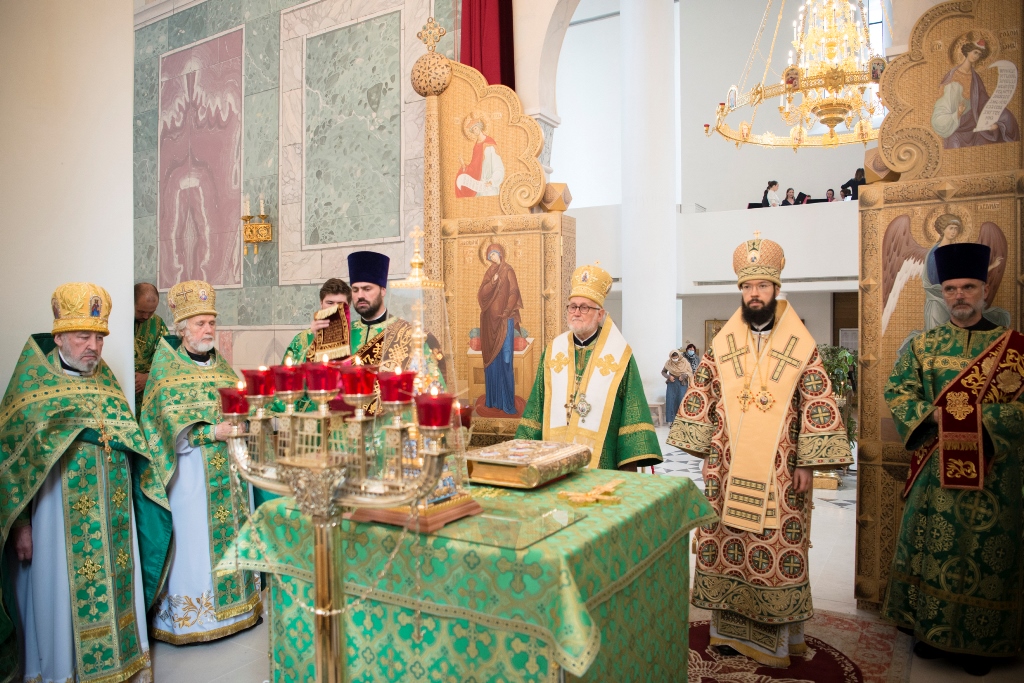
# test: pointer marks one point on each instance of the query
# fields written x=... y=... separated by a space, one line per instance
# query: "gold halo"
x=481 y=252
x=472 y=118
x=991 y=42
x=963 y=213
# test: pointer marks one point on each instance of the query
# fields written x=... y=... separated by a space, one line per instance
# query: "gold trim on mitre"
x=591 y=282
x=191 y=298
x=759 y=259
x=80 y=307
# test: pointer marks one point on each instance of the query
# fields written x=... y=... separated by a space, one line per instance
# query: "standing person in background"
x=149 y=328
x=845 y=194
x=678 y=374
x=771 y=194
x=830 y=195
x=855 y=182
x=790 y=199
x=692 y=355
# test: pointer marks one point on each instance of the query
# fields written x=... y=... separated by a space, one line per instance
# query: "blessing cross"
x=785 y=358
x=734 y=355
x=431 y=34
x=598 y=494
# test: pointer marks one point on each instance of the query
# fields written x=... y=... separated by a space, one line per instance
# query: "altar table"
x=605 y=598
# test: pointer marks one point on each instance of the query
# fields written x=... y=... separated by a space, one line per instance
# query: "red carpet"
x=821 y=664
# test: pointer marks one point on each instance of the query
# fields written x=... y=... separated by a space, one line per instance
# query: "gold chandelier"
x=834 y=72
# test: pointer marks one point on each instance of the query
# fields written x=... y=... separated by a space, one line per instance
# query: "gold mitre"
x=191 y=298
x=591 y=282
x=759 y=259
x=80 y=307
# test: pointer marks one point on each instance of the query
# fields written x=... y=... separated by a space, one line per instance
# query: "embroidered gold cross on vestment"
x=734 y=355
x=785 y=358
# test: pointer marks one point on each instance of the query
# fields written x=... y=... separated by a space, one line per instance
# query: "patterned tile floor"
x=243 y=658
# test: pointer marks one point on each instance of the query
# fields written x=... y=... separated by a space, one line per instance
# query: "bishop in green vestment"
x=182 y=423
x=86 y=527
x=958 y=570
x=588 y=388
x=149 y=328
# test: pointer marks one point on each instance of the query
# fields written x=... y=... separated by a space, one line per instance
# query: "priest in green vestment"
x=588 y=389
x=86 y=525
x=334 y=292
x=958 y=570
x=182 y=422
x=149 y=328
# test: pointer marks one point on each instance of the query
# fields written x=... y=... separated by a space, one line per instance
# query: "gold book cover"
x=525 y=464
x=334 y=340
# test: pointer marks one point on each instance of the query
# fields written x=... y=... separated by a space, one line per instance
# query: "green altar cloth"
x=605 y=598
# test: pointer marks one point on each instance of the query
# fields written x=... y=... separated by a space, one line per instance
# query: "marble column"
x=648 y=188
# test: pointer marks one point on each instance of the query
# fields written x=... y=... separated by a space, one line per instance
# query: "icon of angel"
x=904 y=260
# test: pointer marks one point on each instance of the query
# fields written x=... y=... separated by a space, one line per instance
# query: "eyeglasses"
x=584 y=309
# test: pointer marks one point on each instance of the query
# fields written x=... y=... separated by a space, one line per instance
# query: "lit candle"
x=321 y=376
x=259 y=382
x=288 y=377
x=232 y=400
x=262 y=212
x=358 y=380
x=396 y=386
x=434 y=409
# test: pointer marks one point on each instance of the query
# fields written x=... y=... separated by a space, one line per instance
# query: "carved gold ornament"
x=957 y=404
x=1008 y=381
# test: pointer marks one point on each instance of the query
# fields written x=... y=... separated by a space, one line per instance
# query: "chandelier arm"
x=754 y=49
x=768 y=62
x=864 y=21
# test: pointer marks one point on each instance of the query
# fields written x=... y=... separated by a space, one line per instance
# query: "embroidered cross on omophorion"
x=785 y=358
x=734 y=355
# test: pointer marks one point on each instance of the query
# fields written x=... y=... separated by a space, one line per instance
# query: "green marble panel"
x=295 y=304
x=144 y=131
x=260 y=134
x=151 y=41
x=222 y=15
x=187 y=26
x=259 y=270
x=262 y=54
x=145 y=261
x=144 y=230
x=255 y=305
x=146 y=84
x=165 y=313
x=227 y=306
x=145 y=183
x=254 y=9
x=353 y=132
x=444 y=15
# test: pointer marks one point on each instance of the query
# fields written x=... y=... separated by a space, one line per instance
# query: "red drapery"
x=487 y=40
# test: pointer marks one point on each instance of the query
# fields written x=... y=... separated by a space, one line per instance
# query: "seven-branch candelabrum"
x=339 y=454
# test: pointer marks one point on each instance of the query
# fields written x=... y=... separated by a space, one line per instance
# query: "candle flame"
x=288 y=361
x=326 y=358
x=356 y=360
x=241 y=385
x=433 y=391
x=262 y=368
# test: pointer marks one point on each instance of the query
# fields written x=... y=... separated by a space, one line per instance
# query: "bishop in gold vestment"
x=762 y=414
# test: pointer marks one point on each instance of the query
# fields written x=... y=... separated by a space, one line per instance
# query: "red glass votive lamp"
x=358 y=380
x=396 y=387
x=322 y=377
x=466 y=414
x=259 y=382
x=232 y=401
x=434 y=410
x=338 y=405
x=288 y=378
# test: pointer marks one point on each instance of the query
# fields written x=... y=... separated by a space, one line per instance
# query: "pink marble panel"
x=200 y=166
x=230 y=45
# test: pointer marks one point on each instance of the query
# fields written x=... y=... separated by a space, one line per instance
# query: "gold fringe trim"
x=205 y=636
x=756 y=655
x=235 y=610
x=125 y=673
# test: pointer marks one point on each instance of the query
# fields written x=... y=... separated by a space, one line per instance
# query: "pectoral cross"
x=746 y=398
x=785 y=358
x=734 y=355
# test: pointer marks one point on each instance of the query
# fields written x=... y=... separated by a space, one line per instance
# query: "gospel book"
x=525 y=464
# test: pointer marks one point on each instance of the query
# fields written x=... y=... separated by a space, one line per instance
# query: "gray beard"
x=965 y=314
x=198 y=346
x=82 y=366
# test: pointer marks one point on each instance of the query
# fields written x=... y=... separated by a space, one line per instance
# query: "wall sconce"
x=254 y=232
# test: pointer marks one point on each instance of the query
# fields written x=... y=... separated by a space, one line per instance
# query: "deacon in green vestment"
x=182 y=423
x=149 y=328
x=334 y=292
x=958 y=569
x=588 y=388
x=86 y=526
